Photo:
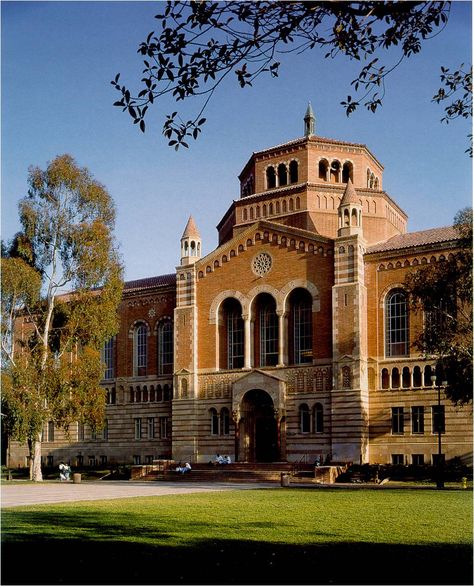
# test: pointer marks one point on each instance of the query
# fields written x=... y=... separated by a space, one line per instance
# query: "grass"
x=262 y=536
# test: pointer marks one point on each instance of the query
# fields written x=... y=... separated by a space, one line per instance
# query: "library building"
x=292 y=341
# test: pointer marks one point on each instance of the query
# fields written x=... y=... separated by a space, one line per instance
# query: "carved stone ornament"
x=262 y=264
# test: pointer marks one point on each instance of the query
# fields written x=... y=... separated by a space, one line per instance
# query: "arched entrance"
x=258 y=428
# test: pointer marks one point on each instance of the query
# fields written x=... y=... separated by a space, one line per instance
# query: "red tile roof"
x=412 y=239
x=159 y=281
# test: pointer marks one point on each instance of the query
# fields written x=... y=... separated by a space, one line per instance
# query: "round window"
x=262 y=264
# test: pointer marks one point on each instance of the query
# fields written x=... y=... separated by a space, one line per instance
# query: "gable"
x=261 y=233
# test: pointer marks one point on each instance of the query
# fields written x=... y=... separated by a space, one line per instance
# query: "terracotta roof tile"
x=350 y=195
x=159 y=281
x=191 y=230
x=412 y=239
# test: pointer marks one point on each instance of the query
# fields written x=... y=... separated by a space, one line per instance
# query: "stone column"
x=247 y=342
x=236 y=420
x=282 y=337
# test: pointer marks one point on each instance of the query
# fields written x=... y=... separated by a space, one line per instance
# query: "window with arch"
x=271 y=178
x=224 y=421
x=318 y=418
x=266 y=345
x=165 y=347
x=300 y=327
x=335 y=172
x=293 y=171
x=235 y=335
x=167 y=393
x=417 y=378
x=323 y=170
x=282 y=174
x=214 y=421
x=347 y=172
x=346 y=377
x=108 y=351
x=140 y=349
x=305 y=419
x=396 y=324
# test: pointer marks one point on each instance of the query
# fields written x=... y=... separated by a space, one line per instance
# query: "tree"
x=61 y=286
x=444 y=293
x=201 y=42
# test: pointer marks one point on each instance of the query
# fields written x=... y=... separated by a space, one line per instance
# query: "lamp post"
x=440 y=466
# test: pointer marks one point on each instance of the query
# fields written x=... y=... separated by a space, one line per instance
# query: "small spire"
x=350 y=195
x=191 y=230
x=309 y=121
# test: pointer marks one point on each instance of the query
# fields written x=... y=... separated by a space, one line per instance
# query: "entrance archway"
x=258 y=428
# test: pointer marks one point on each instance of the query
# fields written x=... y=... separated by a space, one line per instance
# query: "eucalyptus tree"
x=61 y=287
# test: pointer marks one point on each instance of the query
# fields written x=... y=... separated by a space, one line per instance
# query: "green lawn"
x=276 y=536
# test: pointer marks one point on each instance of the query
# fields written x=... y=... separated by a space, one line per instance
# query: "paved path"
x=16 y=495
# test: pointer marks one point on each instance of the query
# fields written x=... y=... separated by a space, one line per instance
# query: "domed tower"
x=190 y=243
x=349 y=212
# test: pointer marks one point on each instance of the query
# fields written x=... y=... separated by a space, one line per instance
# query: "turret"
x=349 y=212
x=190 y=243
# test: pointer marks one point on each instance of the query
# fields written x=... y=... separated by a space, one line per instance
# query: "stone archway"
x=258 y=428
x=258 y=410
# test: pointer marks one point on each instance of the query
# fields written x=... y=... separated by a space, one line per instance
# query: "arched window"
x=417 y=377
x=347 y=172
x=395 y=378
x=385 y=379
x=167 y=393
x=323 y=170
x=427 y=376
x=396 y=324
x=346 y=377
x=140 y=349
x=266 y=331
x=406 y=379
x=282 y=174
x=224 y=421
x=159 y=393
x=271 y=178
x=300 y=327
x=335 y=171
x=305 y=422
x=231 y=335
x=184 y=388
x=108 y=358
x=318 y=418
x=214 y=421
x=245 y=214
x=293 y=171
x=165 y=347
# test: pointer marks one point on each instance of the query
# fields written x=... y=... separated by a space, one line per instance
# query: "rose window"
x=262 y=264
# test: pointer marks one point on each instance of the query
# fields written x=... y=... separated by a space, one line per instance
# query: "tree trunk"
x=36 y=473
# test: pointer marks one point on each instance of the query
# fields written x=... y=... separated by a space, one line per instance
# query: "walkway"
x=18 y=494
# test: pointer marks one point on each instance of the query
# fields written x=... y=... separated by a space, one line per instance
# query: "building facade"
x=291 y=341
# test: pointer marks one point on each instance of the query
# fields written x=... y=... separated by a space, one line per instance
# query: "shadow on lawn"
x=105 y=551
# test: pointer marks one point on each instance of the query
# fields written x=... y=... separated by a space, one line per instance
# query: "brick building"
x=292 y=340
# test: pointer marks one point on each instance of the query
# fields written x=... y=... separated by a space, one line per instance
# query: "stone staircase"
x=236 y=472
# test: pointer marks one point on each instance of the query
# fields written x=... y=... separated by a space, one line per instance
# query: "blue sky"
x=59 y=57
